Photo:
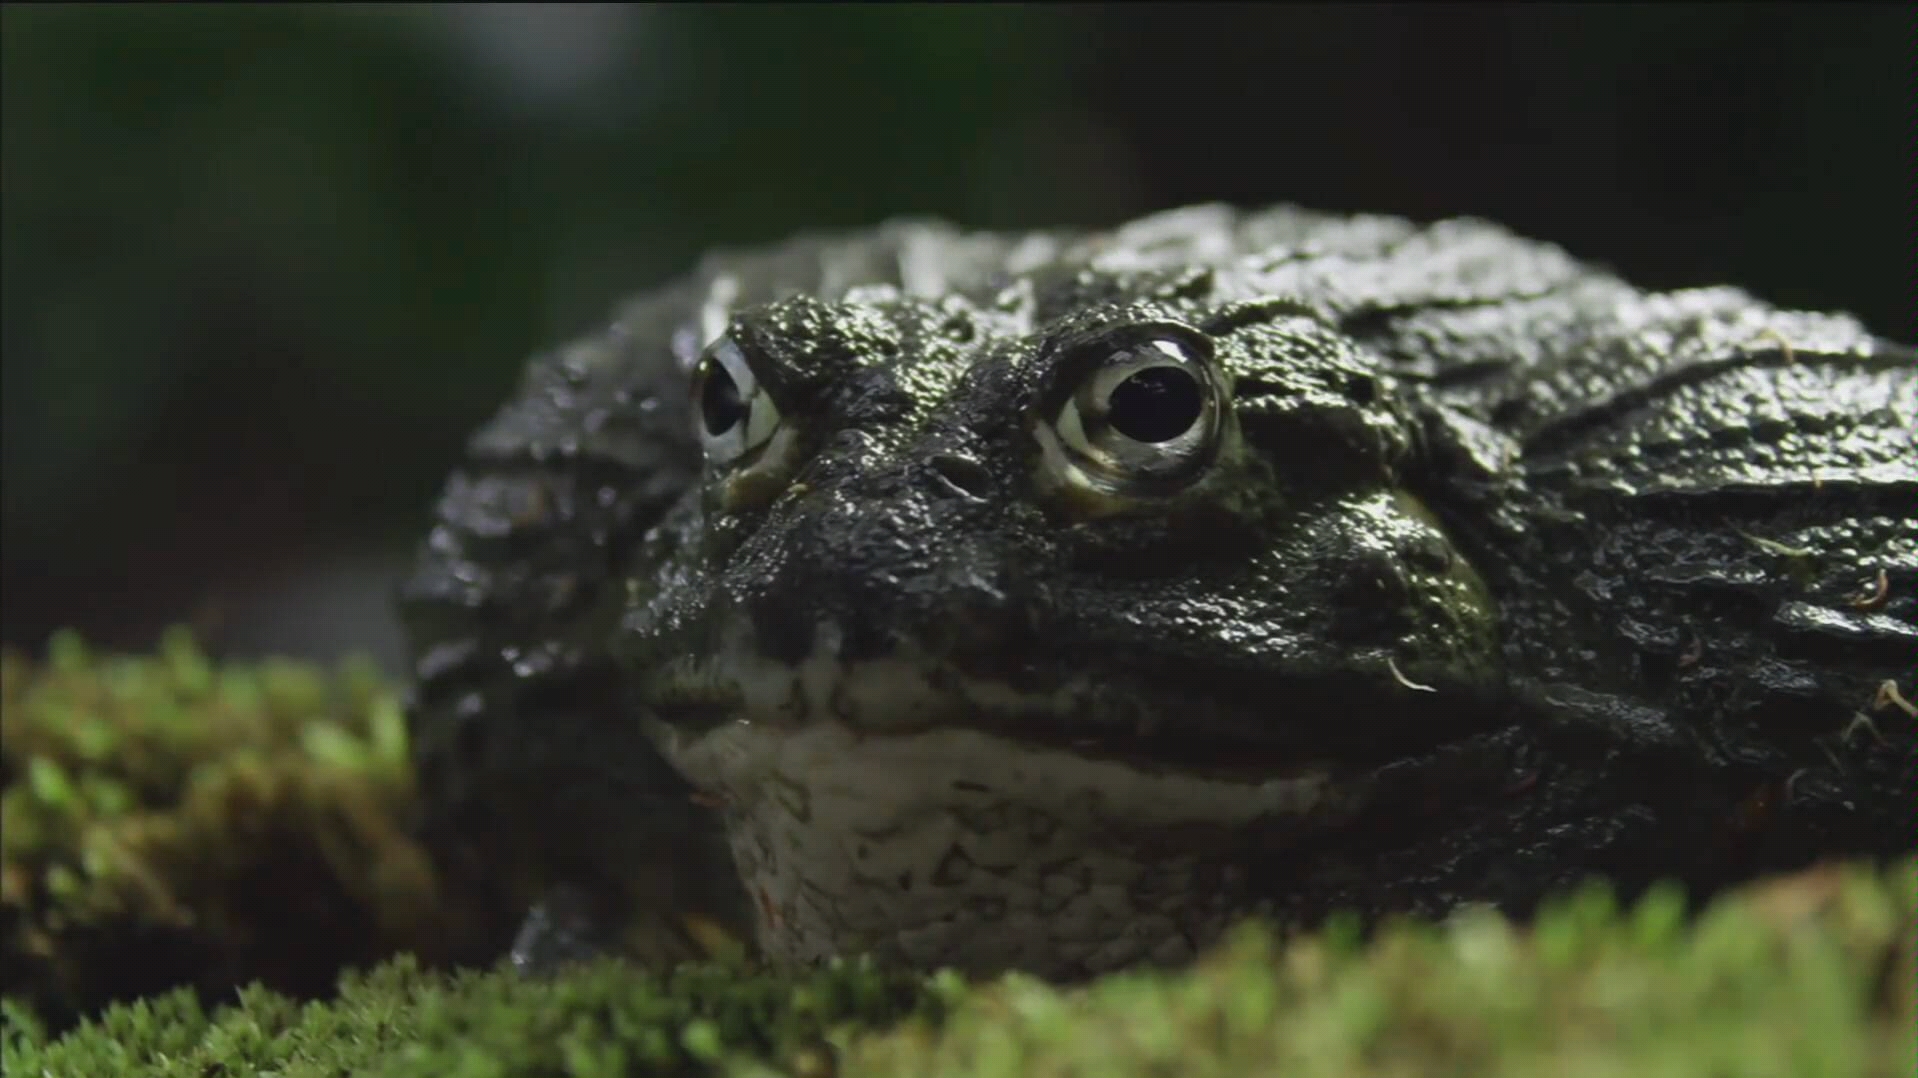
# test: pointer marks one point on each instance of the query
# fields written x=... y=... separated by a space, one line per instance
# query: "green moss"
x=1790 y=979
x=168 y=822
x=404 y=1022
x=245 y=815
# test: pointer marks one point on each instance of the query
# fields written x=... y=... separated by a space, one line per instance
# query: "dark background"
x=263 y=270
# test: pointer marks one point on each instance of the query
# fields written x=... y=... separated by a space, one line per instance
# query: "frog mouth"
x=1082 y=716
x=1159 y=751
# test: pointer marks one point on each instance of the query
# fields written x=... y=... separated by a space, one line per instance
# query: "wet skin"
x=1051 y=601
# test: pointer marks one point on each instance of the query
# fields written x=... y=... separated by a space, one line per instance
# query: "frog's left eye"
x=1146 y=413
x=735 y=414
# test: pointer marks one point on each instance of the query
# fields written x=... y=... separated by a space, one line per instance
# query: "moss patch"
x=1795 y=978
x=174 y=829
x=1791 y=979
x=168 y=822
x=601 y=1020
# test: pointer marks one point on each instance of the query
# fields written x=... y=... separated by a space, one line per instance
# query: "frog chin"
x=957 y=847
x=868 y=813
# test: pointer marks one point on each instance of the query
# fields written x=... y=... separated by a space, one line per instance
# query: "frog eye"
x=734 y=413
x=1146 y=413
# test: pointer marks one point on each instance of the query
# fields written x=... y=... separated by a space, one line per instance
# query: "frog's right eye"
x=735 y=414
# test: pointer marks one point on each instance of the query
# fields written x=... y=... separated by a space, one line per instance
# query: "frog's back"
x=1700 y=516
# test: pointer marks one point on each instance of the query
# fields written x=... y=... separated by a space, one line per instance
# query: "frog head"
x=1118 y=556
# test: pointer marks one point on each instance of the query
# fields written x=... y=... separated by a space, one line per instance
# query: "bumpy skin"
x=1494 y=573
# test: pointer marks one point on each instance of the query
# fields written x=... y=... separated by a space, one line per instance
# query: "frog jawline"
x=911 y=693
x=904 y=771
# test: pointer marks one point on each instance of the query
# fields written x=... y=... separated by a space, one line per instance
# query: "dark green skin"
x=1498 y=571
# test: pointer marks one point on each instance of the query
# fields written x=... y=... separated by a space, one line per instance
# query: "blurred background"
x=262 y=270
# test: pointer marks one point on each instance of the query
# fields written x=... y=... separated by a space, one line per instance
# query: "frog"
x=1054 y=601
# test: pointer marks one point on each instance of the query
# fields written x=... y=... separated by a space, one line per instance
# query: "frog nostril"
x=963 y=475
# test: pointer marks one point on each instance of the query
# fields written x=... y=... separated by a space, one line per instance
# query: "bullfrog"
x=1051 y=601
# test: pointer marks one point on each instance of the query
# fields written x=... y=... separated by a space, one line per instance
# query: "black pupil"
x=1155 y=405
x=719 y=405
